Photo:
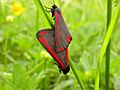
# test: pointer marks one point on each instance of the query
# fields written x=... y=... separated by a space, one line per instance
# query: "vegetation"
x=25 y=65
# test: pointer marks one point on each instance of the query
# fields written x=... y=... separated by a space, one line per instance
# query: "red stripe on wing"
x=43 y=32
x=56 y=25
x=52 y=53
x=62 y=35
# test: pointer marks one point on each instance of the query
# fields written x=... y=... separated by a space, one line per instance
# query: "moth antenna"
x=47 y=7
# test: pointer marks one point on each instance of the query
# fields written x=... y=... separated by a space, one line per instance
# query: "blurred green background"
x=25 y=65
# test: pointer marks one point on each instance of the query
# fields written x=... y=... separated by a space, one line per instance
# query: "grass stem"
x=39 y=5
x=76 y=75
x=36 y=67
x=107 y=65
x=105 y=44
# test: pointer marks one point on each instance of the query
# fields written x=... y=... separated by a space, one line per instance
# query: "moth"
x=57 y=40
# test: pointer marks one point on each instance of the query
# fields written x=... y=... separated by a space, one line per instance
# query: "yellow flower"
x=9 y=18
x=17 y=8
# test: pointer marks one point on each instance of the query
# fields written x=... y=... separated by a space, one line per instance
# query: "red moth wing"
x=62 y=35
x=47 y=38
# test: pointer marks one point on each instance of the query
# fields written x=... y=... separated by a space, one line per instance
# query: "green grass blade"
x=76 y=75
x=36 y=67
x=107 y=65
x=41 y=7
x=105 y=44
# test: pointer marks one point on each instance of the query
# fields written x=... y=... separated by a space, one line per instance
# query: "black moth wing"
x=47 y=38
x=62 y=35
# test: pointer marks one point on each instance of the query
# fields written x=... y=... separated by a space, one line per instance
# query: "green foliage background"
x=25 y=65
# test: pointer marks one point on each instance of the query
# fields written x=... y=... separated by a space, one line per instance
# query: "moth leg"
x=47 y=9
x=59 y=69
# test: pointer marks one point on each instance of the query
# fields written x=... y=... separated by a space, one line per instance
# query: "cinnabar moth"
x=57 y=40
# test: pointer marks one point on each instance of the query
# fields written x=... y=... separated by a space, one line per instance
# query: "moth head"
x=54 y=8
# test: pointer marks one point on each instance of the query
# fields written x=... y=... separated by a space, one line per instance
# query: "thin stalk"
x=40 y=6
x=107 y=65
x=105 y=44
x=36 y=67
x=76 y=75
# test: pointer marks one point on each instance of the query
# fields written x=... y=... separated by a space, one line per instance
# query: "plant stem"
x=40 y=6
x=76 y=75
x=105 y=44
x=107 y=65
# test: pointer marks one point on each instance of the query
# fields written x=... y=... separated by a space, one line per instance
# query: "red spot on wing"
x=42 y=32
x=61 y=49
x=69 y=38
x=56 y=24
x=42 y=41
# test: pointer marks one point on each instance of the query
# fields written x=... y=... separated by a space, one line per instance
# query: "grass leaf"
x=104 y=45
